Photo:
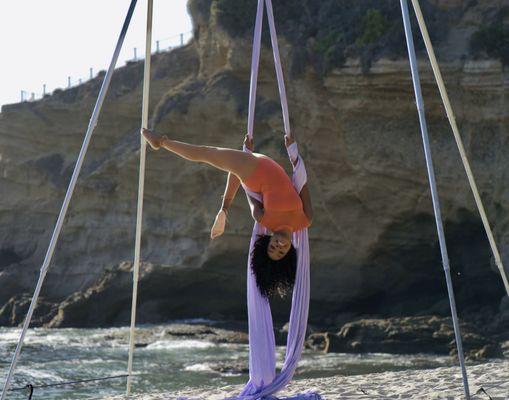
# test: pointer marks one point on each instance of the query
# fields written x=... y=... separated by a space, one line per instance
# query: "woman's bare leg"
x=235 y=161
x=229 y=160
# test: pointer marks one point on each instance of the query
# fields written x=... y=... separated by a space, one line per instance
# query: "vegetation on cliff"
x=331 y=30
x=492 y=40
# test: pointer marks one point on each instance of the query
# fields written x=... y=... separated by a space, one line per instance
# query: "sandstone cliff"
x=374 y=246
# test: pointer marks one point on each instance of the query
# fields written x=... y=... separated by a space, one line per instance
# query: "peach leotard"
x=281 y=202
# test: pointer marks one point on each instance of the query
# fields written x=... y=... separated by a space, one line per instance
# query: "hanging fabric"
x=263 y=380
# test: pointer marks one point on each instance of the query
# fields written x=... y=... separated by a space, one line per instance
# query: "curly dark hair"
x=273 y=276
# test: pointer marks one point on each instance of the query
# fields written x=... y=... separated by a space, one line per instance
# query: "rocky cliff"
x=373 y=240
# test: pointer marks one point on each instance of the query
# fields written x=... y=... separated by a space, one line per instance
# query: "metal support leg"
x=141 y=185
x=61 y=217
x=459 y=143
x=433 y=186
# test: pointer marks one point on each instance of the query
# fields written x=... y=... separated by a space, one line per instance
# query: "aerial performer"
x=281 y=212
x=278 y=257
x=278 y=260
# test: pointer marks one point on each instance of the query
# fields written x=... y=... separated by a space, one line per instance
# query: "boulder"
x=409 y=335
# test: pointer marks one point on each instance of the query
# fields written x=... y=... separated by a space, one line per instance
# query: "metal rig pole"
x=459 y=142
x=63 y=211
x=141 y=184
x=433 y=186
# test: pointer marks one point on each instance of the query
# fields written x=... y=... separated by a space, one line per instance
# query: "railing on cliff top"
x=165 y=44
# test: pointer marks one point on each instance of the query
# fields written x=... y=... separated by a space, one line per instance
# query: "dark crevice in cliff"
x=178 y=101
x=407 y=260
x=9 y=256
x=52 y=165
x=492 y=38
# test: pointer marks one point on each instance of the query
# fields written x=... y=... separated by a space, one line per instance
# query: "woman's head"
x=279 y=245
x=273 y=275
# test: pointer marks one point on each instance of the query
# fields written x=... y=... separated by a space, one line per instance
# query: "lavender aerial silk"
x=263 y=380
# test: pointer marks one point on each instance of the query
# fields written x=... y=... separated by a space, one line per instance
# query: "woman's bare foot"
x=153 y=139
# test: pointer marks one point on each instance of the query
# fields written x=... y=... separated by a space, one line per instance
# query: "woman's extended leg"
x=238 y=162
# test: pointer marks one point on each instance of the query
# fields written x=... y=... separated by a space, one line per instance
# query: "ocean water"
x=60 y=355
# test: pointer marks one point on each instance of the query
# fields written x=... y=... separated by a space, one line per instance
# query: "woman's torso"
x=281 y=202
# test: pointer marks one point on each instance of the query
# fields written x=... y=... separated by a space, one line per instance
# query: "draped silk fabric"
x=263 y=379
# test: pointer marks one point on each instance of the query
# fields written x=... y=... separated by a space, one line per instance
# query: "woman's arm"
x=233 y=182
x=305 y=197
x=232 y=186
x=256 y=208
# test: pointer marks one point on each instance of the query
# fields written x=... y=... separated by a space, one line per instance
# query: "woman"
x=282 y=212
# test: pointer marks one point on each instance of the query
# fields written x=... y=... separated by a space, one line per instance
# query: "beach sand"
x=439 y=383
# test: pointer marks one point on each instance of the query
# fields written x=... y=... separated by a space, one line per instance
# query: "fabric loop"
x=293 y=152
x=263 y=381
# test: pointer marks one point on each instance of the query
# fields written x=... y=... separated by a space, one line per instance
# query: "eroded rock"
x=426 y=334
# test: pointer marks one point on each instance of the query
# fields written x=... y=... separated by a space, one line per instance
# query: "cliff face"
x=373 y=240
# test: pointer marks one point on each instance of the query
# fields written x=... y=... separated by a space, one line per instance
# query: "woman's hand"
x=248 y=142
x=289 y=140
x=291 y=148
x=219 y=224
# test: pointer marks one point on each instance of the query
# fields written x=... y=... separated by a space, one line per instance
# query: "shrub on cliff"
x=492 y=41
x=329 y=31
x=235 y=16
x=374 y=26
x=366 y=29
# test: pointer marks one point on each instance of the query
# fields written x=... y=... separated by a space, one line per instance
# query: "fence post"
x=91 y=70
x=157 y=46
x=43 y=90
x=135 y=55
x=181 y=39
x=22 y=92
x=68 y=82
x=32 y=97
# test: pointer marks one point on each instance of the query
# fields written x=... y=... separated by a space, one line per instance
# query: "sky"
x=45 y=41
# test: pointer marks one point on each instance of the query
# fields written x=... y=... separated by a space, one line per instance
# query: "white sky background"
x=45 y=41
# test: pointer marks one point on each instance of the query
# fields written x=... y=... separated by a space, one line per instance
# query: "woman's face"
x=279 y=245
